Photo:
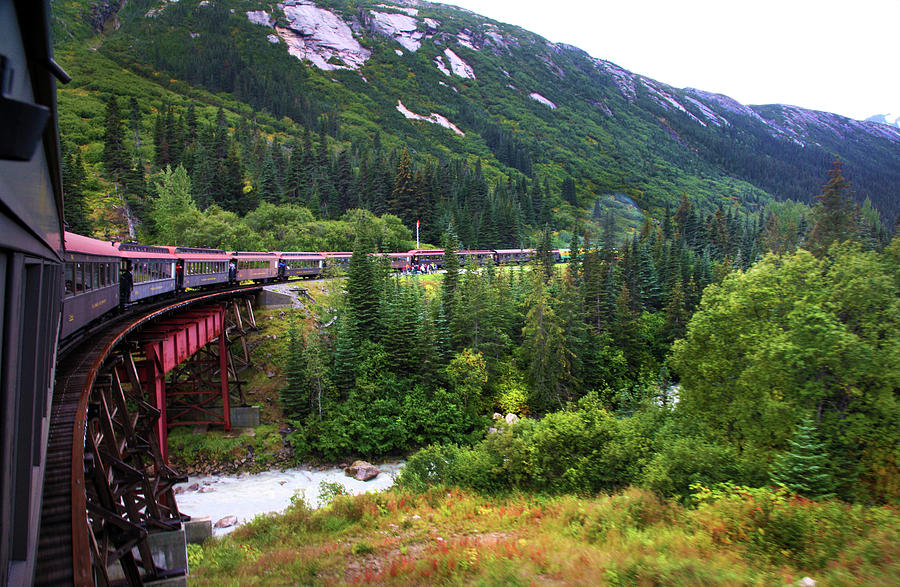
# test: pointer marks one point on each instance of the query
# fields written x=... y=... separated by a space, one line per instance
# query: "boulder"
x=362 y=471
x=807 y=582
x=511 y=418
x=206 y=489
x=227 y=522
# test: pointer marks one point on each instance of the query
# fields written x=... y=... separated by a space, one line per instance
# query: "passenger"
x=126 y=284
x=232 y=271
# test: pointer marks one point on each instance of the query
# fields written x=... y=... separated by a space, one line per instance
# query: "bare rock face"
x=321 y=37
x=227 y=522
x=362 y=471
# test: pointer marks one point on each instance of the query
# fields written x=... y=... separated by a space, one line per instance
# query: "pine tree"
x=73 y=176
x=450 y=281
x=404 y=199
x=544 y=350
x=267 y=186
x=835 y=215
x=346 y=353
x=568 y=191
x=543 y=255
x=114 y=155
x=364 y=291
x=294 y=396
x=803 y=467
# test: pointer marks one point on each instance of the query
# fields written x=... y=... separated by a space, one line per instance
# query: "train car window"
x=88 y=276
x=101 y=274
x=70 y=279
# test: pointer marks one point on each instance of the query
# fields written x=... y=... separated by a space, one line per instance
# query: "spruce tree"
x=451 y=276
x=835 y=215
x=568 y=191
x=294 y=396
x=404 y=199
x=363 y=290
x=803 y=467
x=73 y=176
x=114 y=155
x=346 y=353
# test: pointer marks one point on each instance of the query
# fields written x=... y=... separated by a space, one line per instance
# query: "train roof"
x=139 y=251
x=514 y=250
x=196 y=251
x=253 y=254
x=76 y=243
x=338 y=254
x=304 y=255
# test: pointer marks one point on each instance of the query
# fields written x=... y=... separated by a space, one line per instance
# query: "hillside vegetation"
x=728 y=536
x=548 y=134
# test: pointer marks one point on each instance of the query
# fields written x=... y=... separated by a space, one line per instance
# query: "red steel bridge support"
x=197 y=390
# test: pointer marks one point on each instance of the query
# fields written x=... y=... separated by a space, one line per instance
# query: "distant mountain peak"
x=888 y=119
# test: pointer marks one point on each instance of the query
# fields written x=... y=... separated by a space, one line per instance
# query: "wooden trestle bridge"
x=108 y=487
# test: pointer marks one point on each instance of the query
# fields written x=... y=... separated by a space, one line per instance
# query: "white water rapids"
x=247 y=495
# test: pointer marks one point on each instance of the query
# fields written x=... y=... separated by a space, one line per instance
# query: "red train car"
x=91 y=281
x=255 y=266
x=196 y=267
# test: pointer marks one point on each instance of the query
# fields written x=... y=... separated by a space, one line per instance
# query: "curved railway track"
x=100 y=499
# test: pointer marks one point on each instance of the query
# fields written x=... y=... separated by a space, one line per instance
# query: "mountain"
x=448 y=84
x=888 y=119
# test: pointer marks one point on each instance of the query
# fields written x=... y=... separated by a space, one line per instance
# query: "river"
x=247 y=495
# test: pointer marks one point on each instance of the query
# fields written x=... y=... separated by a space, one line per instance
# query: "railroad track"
x=73 y=506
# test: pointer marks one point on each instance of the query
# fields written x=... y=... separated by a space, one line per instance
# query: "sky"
x=836 y=56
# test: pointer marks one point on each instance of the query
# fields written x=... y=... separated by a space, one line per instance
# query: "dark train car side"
x=260 y=267
x=91 y=282
x=302 y=264
x=31 y=238
x=199 y=268
x=150 y=271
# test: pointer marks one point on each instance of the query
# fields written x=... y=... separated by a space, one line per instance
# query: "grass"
x=634 y=537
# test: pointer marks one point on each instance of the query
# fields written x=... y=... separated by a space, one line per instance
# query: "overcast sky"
x=837 y=56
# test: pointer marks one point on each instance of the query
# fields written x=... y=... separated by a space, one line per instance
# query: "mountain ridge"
x=567 y=112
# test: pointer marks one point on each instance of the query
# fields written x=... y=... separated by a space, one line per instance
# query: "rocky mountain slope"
x=446 y=82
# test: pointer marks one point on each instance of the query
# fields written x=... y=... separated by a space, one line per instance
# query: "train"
x=106 y=276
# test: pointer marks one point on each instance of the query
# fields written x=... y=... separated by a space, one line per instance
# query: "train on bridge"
x=54 y=285
x=104 y=276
